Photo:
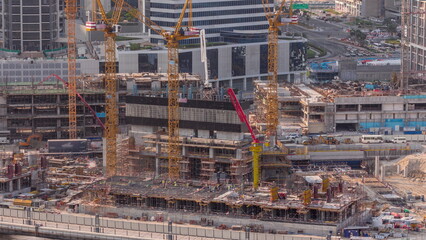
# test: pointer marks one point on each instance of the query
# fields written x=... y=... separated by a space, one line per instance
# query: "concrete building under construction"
x=41 y=106
x=349 y=106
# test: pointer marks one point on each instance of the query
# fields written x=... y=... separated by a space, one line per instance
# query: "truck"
x=67 y=145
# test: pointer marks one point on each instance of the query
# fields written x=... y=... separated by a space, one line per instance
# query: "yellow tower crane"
x=110 y=28
x=274 y=17
x=172 y=38
x=71 y=13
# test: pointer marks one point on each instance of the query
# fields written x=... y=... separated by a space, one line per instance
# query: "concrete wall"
x=225 y=62
x=197 y=65
x=373 y=8
x=291 y=227
x=156 y=227
x=126 y=64
x=253 y=63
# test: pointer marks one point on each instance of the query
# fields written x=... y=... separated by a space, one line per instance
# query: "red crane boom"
x=241 y=114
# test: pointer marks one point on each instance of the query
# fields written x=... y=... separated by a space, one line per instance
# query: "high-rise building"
x=30 y=25
x=414 y=36
x=215 y=16
x=361 y=8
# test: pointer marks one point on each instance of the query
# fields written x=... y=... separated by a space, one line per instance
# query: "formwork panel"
x=184 y=231
x=43 y=216
x=88 y=221
x=134 y=226
x=71 y=219
x=127 y=225
x=119 y=224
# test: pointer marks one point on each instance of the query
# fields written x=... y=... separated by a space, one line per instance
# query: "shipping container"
x=67 y=145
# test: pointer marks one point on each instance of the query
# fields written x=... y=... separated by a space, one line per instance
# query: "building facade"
x=18 y=71
x=351 y=7
x=369 y=114
x=30 y=25
x=28 y=109
x=416 y=36
x=212 y=137
x=361 y=8
x=234 y=65
x=213 y=16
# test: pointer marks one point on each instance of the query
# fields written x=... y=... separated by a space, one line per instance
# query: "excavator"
x=32 y=140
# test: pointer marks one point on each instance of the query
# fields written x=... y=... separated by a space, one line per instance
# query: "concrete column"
x=211 y=152
x=382 y=173
x=104 y=152
x=19 y=183
x=398 y=169
x=10 y=186
x=245 y=84
x=405 y=173
x=376 y=166
x=58 y=125
x=157 y=148
x=157 y=167
x=184 y=151
x=239 y=154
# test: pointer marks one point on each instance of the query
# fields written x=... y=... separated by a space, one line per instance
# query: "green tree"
x=391 y=25
x=358 y=36
x=135 y=46
x=129 y=15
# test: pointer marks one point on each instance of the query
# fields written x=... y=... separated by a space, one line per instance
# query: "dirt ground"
x=404 y=185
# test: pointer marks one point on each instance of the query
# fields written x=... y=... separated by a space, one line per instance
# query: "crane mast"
x=112 y=121
x=172 y=38
x=71 y=13
x=174 y=148
x=274 y=20
x=272 y=97
x=111 y=124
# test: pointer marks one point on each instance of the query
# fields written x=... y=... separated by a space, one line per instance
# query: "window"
x=30 y=10
x=213 y=63
x=238 y=61
x=297 y=56
x=148 y=62
x=185 y=62
x=264 y=58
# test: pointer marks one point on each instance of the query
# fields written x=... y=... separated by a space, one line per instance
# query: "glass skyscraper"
x=215 y=16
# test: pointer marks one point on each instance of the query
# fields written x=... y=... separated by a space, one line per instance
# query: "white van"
x=399 y=140
x=372 y=139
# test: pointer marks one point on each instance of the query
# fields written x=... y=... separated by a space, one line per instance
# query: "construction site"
x=172 y=147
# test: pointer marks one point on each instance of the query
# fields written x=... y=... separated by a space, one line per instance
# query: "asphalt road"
x=320 y=36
